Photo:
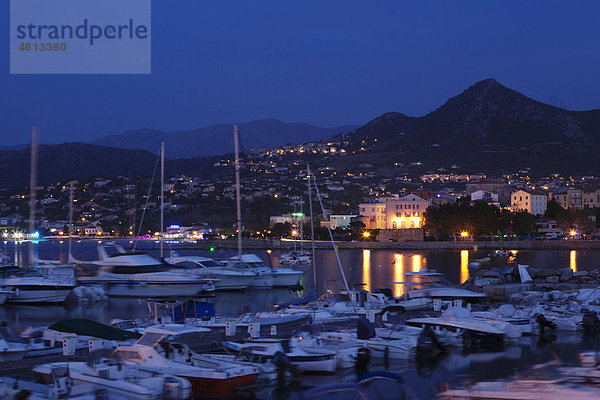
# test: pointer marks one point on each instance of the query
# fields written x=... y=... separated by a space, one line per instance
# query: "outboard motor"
x=543 y=323
x=428 y=341
x=590 y=322
x=282 y=365
x=363 y=358
x=364 y=329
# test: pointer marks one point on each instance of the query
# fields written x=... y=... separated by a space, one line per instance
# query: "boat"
x=61 y=387
x=296 y=258
x=116 y=379
x=11 y=346
x=224 y=278
x=305 y=359
x=136 y=274
x=29 y=286
x=266 y=277
x=543 y=382
x=473 y=332
x=155 y=352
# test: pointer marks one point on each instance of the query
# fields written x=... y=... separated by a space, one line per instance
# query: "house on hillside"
x=531 y=201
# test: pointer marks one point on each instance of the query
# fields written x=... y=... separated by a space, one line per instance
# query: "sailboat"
x=266 y=277
x=297 y=257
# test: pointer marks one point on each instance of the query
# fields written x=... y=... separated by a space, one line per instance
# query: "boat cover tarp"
x=364 y=329
x=307 y=298
x=192 y=310
x=86 y=327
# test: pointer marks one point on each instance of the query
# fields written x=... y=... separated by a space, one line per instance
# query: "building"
x=340 y=220
x=533 y=202
x=405 y=212
x=502 y=189
x=484 y=195
x=374 y=215
x=578 y=199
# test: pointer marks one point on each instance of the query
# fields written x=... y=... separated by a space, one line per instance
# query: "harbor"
x=368 y=272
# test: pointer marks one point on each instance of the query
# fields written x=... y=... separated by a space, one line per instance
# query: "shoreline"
x=262 y=244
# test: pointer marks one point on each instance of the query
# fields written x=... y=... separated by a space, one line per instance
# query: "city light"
x=464 y=234
x=366 y=234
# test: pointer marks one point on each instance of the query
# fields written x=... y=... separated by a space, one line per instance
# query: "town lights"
x=573 y=233
x=464 y=234
x=366 y=234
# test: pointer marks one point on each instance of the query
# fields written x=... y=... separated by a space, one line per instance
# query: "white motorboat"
x=305 y=359
x=29 y=286
x=266 y=277
x=508 y=313
x=11 y=347
x=156 y=352
x=346 y=353
x=137 y=274
x=474 y=332
x=117 y=379
x=396 y=348
x=224 y=278
x=296 y=258
x=61 y=387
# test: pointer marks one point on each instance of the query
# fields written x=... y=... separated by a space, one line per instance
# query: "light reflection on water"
x=367 y=269
x=573 y=260
x=464 y=265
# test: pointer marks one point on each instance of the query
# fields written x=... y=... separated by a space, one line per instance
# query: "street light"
x=464 y=234
x=366 y=234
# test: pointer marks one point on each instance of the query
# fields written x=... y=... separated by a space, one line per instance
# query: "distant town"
x=359 y=204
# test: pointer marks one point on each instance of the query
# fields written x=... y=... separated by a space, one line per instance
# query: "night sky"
x=324 y=62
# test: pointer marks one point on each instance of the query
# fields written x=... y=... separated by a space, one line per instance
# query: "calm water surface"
x=374 y=268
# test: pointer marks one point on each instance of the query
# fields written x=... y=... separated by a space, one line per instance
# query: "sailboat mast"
x=32 y=186
x=162 y=196
x=237 y=188
x=70 y=220
x=312 y=230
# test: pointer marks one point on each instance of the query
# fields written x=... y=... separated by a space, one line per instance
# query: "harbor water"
x=373 y=268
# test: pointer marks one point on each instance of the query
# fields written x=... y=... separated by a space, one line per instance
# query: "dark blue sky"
x=325 y=62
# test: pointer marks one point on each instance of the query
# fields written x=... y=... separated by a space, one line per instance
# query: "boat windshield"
x=211 y=263
x=138 y=269
x=11 y=272
x=150 y=339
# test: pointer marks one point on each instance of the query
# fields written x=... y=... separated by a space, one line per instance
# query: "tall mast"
x=32 y=186
x=70 y=220
x=237 y=188
x=33 y=178
x=162 y=196
x=312 y=230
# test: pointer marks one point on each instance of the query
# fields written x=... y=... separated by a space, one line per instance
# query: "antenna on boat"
x=162 y=196
x=32 y=186
x=312 y=230
x=236 y=143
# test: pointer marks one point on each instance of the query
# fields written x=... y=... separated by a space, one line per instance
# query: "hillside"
x=218 y=139
x=72 y=160
x=488 y=128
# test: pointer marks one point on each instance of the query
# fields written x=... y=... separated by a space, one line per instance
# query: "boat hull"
x=222 y=388
x=39 y=294
x=261 y=282
x=149 y=290
x=287 y=279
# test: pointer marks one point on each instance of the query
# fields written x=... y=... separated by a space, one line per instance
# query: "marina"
x=251 y=316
